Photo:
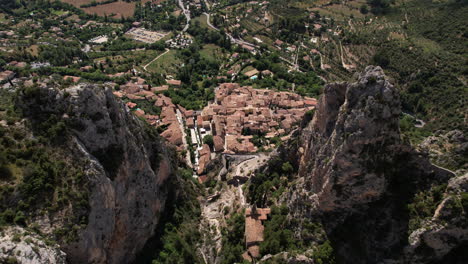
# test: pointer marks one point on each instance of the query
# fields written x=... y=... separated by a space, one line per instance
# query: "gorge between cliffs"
x=345 y=187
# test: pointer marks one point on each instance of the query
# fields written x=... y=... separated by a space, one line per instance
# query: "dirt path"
x=228 y=197
x=208 y=21
x=184 y=137
x=213 y=219
x=159 y=56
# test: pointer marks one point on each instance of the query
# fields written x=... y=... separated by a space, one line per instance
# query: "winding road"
x=186 y=13
x=233 y=40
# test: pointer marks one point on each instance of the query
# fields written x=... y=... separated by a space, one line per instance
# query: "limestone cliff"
x=126 y=165
x=356 y=175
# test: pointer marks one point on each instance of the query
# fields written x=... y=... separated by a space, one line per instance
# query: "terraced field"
x=116 y=9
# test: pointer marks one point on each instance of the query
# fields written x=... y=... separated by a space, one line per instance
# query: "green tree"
x=364 y=9
x=287 y=168
x=208 y=139
x=324 y=254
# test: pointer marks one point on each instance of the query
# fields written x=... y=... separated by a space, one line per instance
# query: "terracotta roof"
x=160 y=88
x=131 y=105
x=134 y=97
x=218 y=143
x=139 y=112
x=205 y=157
x=173 y=134
x=254 y=229
x=251 y=73
x=174 y=82
x=130 y=88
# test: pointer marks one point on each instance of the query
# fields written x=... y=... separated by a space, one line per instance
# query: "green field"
x=251 y=25
x=202 y=20
x=2 y=18
x=58 y=12
x=211 y=52
x=166 y=64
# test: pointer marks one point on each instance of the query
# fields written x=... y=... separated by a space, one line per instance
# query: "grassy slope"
x=166 y=63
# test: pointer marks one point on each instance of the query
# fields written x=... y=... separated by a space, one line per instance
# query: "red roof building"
x=254 y=228
x=174 y=82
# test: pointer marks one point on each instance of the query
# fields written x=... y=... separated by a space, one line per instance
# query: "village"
x=232 y=121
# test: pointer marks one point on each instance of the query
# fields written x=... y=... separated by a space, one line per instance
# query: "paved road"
x=208 y=21
x=186 y=13
x=233 y=40
x=144 y=67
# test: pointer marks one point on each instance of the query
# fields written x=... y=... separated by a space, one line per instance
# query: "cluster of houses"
x=253 y=7
x=238 y=113
x=136 y=89
x=181 y=41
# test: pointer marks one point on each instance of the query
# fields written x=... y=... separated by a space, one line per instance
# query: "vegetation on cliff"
x=177 y=235
x=38 y=176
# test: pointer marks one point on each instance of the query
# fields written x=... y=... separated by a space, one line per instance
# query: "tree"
x=364 y=9
x=208 y=139
x=287 y=167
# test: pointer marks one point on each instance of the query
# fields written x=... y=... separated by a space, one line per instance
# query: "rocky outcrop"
x=21 y=246
x=445 y=237
x=352 y=124
x=448 y=149
x=127 y=166
x=355 y=174
x=287 y=258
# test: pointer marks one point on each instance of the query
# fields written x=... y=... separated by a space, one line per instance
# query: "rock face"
x=127 y=167
x=445 y=236
x=448 y=149
x=285 y=257
x=19 y=245
x=351 y=121
x=354 y=172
